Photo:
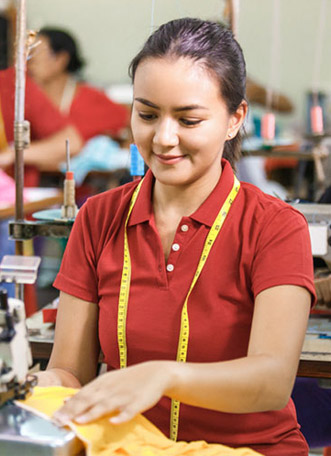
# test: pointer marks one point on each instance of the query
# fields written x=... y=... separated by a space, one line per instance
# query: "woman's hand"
x=125 y=392
x=57 y=377
x=47 y=378
x=7 y=157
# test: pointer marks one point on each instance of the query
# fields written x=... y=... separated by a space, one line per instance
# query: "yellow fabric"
x=138 y=437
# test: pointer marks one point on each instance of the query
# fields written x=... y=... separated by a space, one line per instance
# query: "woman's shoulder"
x=264 y=207
x=115 y=195
x=104 y=213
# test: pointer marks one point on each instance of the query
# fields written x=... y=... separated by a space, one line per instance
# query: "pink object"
x=268 y=126
x=316 y=119
x=7 y=188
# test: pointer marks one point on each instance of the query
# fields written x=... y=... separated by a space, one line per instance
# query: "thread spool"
x=69 y=208
x=316 y=120
x=268 y=126
x=137 y=166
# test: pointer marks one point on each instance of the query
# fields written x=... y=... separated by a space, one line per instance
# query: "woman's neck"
x=171 y=203
x=55 y=87
x=183 y=200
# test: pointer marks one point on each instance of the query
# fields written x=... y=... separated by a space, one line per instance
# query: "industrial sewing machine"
x=21 y=431
x=318 y=217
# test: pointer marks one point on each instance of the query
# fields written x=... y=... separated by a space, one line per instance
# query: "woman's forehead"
x=182 y=74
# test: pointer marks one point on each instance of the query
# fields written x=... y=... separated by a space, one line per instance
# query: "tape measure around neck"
x=184 y=324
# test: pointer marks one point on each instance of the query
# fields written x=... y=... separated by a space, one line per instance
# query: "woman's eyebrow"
x=180 y=108
x=146 y=102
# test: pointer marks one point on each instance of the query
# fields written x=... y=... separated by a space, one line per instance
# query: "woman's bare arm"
x=264 y=379
x=47 y=154
x=76 y=347
x=261 y=381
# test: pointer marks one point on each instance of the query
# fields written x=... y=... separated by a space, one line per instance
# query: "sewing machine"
x=318 y=217
x=21 y=431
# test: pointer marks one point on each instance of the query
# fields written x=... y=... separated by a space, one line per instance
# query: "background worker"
x=55 y=66
x=49 y=129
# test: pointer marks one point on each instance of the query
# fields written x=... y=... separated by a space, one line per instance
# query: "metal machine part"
x=69 y=208
x=318 y=217
x=25 y=433
x=19 y=269
x=15 y=353
x=21 y=431
x=28 y=230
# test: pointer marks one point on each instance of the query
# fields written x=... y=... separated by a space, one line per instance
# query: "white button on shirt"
x=175 y=247
x=184 y=228
x=170 y=267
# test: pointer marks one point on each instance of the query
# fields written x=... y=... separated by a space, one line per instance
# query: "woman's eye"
x=146 y=116
x=190 y=122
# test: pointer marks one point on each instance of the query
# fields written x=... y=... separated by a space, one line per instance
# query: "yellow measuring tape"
x=184 y=324
x=125 y=287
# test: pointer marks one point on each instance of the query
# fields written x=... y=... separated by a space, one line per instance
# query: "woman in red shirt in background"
x=49 y=130
x=55 y=66
x=199 y=284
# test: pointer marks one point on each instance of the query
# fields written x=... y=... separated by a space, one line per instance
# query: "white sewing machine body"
x=318 y=217
x=22 y=431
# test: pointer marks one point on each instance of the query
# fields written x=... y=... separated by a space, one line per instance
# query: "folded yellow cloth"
x=138 y=437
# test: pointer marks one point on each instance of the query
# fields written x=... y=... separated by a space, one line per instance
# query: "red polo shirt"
x=263 y=243
x=45 y=119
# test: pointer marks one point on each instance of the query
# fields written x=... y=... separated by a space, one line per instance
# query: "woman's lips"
x=169 y=159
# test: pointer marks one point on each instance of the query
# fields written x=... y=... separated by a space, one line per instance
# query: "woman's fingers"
x=95 y=412
x=76 y=406
x=126 y=415
x=124 y=393
x=86 y=411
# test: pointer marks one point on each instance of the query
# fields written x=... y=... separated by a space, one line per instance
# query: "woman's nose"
x=166 y=133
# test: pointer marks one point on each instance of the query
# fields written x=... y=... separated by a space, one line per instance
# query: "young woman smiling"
x=196 y=287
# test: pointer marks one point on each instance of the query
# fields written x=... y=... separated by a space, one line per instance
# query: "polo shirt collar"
x=143 y=209
x=209 y=209
x=205 y=214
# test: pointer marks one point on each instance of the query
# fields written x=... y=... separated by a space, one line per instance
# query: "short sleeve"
x=77 y=275
x=283 y=254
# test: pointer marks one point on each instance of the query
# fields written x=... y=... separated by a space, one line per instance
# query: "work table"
x=315 y=360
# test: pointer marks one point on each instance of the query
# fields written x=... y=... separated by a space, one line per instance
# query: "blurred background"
x=110 y=33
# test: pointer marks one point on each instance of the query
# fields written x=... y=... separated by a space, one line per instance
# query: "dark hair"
x=60 y=41
x=213 y=45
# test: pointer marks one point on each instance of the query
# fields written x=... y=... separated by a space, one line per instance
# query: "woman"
x=141 y=284
x=48 y=131
x=55 y=66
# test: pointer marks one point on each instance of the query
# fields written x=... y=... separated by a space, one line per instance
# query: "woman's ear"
x=63 y=59
x=237 y=119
